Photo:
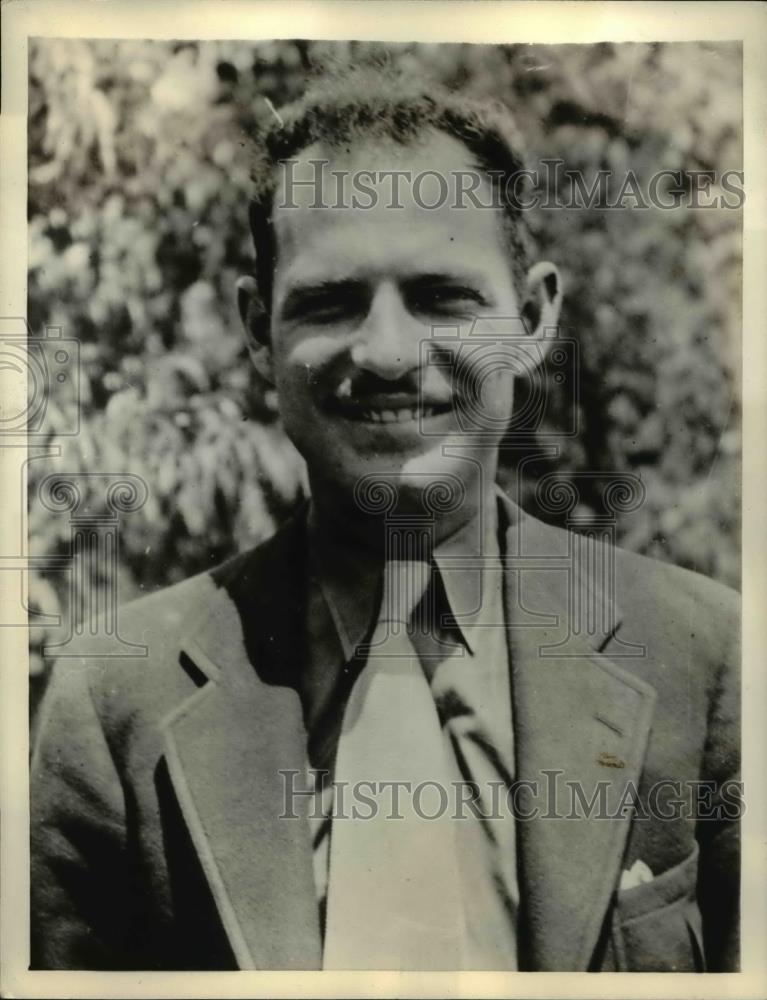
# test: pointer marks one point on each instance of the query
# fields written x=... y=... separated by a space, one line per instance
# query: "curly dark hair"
x=343 y=108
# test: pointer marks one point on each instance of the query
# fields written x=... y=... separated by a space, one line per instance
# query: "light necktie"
x=394 y=892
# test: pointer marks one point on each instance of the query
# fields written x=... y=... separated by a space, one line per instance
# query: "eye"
x=325 y=306
x=326 y=312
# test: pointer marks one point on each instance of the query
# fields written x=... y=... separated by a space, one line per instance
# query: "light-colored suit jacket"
x=157 y=790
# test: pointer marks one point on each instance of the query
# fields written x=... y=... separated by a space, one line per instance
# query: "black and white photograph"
x=382 y=556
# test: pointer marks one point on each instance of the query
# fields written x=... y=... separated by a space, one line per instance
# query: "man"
x=410 y=629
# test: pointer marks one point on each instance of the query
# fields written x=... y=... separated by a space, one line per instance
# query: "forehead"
x=405 y=216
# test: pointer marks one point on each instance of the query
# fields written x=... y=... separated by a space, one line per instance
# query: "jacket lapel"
x=231 y=749
x=578 y=718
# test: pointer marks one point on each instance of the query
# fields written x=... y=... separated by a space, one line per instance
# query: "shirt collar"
x=350 y=578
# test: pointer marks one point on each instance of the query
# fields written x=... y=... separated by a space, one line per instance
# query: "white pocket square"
x=638 y=874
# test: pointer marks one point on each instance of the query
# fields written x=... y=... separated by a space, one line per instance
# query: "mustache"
x=361 y=386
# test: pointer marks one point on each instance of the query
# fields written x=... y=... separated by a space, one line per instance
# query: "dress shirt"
x=458 y=632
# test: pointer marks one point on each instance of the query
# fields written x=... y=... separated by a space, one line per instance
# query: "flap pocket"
x=673 y=884
x=657 y=925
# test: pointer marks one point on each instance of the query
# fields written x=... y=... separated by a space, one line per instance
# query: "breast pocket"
x=657 y=925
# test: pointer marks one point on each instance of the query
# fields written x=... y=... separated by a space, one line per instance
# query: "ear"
x=255 y=319
x=543 y=301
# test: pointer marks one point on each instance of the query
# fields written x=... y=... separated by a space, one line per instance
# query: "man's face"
x=364 y=385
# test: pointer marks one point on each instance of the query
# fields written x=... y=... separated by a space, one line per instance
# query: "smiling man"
x=356 y=301
x=384 y=739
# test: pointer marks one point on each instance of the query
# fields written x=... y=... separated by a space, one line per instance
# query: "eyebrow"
x=472 y=278
x=447 y=278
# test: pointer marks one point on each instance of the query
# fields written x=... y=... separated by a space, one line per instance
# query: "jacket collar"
x=576 y=712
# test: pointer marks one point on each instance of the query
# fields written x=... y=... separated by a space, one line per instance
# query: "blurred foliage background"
x=138 y=188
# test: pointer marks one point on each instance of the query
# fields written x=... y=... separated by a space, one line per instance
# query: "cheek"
x=292 y=368
x=293 y=395
x=496 y=391
x=304 y=360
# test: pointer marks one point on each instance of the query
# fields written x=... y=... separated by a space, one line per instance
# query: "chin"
x=426 y=483
x=381 y=483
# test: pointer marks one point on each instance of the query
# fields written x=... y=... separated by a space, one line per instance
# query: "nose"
x=388 y=342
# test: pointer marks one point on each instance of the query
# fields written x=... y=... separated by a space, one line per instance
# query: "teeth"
x=401 y=416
